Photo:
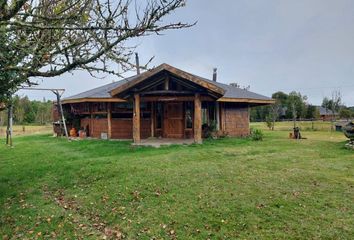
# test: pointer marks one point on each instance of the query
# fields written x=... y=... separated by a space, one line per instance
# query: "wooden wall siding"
x=145 y=128
x=236 y=120
x=123 y=128
x=96 y=126
x=99 y=126
x=85 y=122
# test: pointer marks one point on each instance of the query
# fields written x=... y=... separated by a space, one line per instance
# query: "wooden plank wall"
x=99 y=126
x=85 y=122
x=236 y=120
x=96 y=126
x=122 y=128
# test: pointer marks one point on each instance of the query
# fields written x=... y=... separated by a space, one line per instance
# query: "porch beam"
x=136 y=118
x=197 y=119
x=173 y=98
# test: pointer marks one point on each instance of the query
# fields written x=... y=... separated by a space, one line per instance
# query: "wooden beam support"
x=152 y=119
x=182 y=74
x=222 y=116
x=109 y=119
x=91 y=120
x=82 y=100
x=173 y=98
x=136 y=118
x=167 y=82
x=197 y=119
x=217 y=115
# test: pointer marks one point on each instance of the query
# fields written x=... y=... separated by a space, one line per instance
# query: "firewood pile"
x=348 y=131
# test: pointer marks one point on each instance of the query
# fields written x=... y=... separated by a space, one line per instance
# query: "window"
x=208 y=112
x=189 y=114
x=159 y=115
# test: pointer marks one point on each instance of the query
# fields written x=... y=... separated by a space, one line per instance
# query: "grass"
x=224 y=189
x=27 y=129
x=303 y=125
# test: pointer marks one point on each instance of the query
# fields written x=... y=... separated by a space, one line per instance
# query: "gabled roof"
x=165 y=67
x=324 y=111
x=228 y=93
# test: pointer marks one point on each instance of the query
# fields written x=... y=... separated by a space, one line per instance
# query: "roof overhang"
x=172 y=70
x=247 y=100
x=82 y=100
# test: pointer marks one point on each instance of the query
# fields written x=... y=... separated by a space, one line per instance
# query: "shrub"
x=209 y=130
x=256 y=134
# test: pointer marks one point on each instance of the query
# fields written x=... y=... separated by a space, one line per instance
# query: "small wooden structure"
x=163 y=102
x=327 y=114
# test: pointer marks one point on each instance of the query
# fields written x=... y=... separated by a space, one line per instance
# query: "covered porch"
x=172 y=101
x=171 y=117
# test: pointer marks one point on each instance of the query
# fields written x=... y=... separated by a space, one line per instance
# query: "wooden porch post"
x=197 y=119
x=136 y=118
x=109 y=119
x=91 y=120
x=222 y=116
x=217 y=115
x=152 y=119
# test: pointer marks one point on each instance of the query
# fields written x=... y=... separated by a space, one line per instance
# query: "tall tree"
x=345 y=113
x=296 y=105
x=333 y=105
x=46 y=38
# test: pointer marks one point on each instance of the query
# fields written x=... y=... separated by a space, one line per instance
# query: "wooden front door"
x=173 y=126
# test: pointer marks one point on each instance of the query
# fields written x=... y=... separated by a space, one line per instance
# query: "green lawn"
x=27 y=129
x=288 y=126
x=224 y=189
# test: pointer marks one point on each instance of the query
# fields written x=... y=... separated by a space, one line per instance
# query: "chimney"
x=137 y=63
x=214 y=74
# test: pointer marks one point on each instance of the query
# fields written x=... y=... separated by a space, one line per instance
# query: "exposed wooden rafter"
x=175 y=71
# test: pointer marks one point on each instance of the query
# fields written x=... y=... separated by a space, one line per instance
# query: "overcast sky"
x=271 y=45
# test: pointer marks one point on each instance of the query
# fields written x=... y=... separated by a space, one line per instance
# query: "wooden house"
x=163 y=102
x=327 y=114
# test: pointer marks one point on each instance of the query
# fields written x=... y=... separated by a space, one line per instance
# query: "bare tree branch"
x=46 y=38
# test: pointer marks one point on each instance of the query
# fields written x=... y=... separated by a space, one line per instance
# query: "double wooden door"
x=173 y=126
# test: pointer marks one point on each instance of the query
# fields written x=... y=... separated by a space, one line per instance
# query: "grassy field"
x=27 y=130
x=303 y=125
x=224 y=189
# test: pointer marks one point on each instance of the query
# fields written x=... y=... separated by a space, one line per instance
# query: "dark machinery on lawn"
x=348 y=131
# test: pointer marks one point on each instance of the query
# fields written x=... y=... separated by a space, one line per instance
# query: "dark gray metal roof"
x=101 y=92
x=323 y=111
x=235 y=92
x=230 y=91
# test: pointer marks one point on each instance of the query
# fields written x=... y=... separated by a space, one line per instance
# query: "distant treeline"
x=295 y=105
x=27 y=111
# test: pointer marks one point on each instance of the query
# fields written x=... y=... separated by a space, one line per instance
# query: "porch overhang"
x=250 y=101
